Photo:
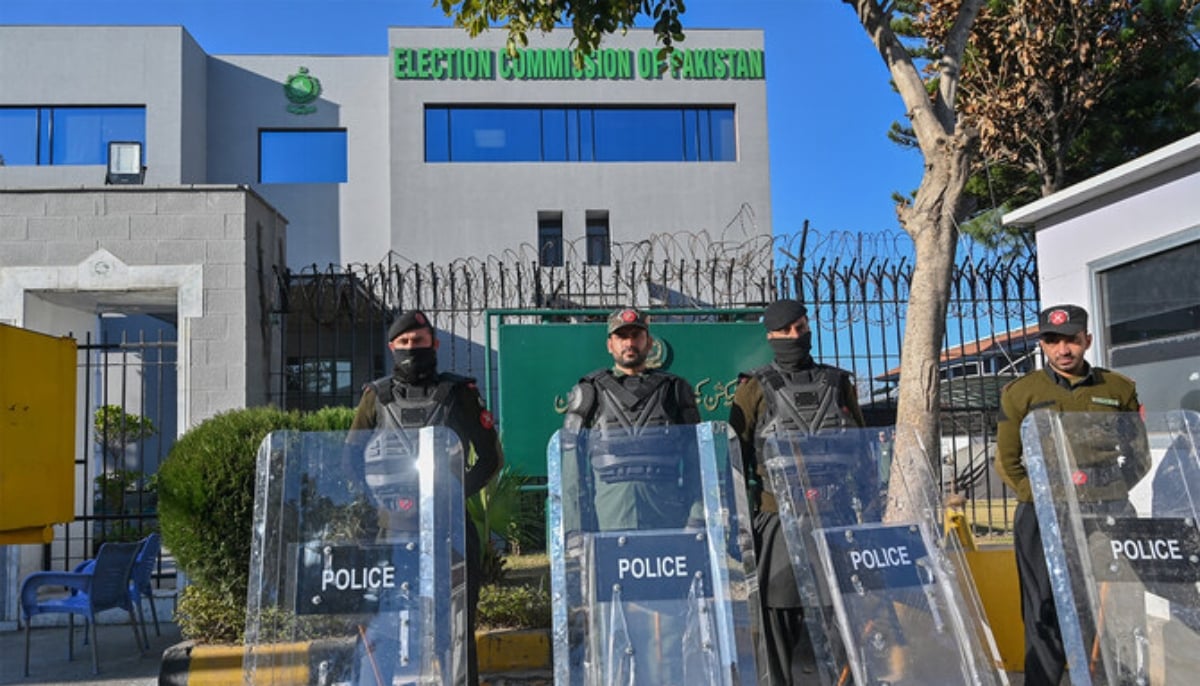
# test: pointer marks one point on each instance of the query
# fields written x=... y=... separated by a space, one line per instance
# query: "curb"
x=505 y=657
x=501 y=652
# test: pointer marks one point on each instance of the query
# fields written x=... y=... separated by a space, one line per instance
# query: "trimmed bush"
x=513 y=607
x=206 y=510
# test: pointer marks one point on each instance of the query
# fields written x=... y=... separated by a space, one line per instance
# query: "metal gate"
x=126 y=423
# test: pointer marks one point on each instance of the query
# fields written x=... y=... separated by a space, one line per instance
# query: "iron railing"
x=857 y=292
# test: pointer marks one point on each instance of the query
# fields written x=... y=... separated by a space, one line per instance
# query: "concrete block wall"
x=206 y=253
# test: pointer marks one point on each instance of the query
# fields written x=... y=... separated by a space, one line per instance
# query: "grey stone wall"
x=205 y=254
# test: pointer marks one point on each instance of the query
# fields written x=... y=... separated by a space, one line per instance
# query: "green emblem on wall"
x=301 y=90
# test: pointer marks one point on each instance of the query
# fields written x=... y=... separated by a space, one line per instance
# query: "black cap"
x=627 y=317
x=783 y=312
x=1066 y=320
x=407 y=321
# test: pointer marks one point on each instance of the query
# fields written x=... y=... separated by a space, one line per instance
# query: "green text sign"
x=558 y=64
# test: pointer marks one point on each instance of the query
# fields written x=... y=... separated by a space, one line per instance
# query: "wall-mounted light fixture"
x=125 y=163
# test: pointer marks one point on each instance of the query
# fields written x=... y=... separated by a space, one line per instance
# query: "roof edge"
x=1168 y=157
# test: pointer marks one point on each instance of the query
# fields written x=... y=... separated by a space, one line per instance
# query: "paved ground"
x=122 y=665
x=120 y=661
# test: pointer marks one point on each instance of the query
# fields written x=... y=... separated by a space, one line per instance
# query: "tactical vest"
x=621 y=448
x=405 y=406
x=805 y=401
x=389 y=454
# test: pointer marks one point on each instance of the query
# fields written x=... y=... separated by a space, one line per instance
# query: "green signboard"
x=539 y=363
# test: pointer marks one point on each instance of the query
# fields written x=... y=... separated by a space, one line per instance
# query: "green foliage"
x=590 y=20
x=513 y=607
x=206 y=615
x=115 y=429
x=329 y=419
x=206 y=507
x=502 y=511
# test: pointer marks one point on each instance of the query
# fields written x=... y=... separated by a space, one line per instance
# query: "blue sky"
x=828 y=95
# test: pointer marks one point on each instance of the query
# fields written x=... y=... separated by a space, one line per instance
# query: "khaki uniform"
x=1100 y=390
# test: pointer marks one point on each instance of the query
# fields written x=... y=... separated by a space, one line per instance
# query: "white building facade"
x=1125 y=245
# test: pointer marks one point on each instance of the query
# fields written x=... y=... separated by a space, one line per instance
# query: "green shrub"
x=206 y=509
x=206 y=615
x=513 y=607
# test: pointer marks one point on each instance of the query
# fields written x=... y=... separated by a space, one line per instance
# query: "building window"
x=67 y=135
x=302 y=156
x=598 y=252
x=1151 y=319
x=550 y=239
x=326 y=380
x=580 y=134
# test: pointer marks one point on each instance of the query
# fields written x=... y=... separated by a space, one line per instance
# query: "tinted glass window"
x=495 y=135
x=638 y=135
x=554 y=135
x=81 y=135
x=1154 y=297
x=550 y=240
x=724 y=135
x=437 y=134
x=597 y=238
x=302 y=156
x=18 y=135
x=580 y=134
x=67 y=135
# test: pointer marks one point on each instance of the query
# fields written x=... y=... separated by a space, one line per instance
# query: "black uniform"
x=1100 y=390
x=809 y=398
x=446 y=400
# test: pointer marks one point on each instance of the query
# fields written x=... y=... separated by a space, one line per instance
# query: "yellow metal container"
x=37 y=434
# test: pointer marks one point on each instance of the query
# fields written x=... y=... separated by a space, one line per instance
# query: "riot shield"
x=358 y=561
x=884 y=600
x=1116 y=496
x=651 y=558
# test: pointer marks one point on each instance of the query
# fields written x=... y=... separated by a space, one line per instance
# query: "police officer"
x=793 y=393
x=416 y=395
x=1066 y=384
x=630 y=483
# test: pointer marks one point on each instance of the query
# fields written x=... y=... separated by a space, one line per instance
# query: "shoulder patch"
x=486 y=420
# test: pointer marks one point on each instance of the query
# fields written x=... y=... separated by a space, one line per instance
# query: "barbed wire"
x=845 y=277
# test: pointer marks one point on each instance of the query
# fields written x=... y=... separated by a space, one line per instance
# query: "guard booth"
x=1117 y=497
x=37 y=435
x=651 y=557
x=358 y=564
x=885 y=601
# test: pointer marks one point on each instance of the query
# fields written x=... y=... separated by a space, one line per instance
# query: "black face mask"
x=414 y=365
x=792 y=353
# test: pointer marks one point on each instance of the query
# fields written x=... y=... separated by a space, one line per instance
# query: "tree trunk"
x=931 y=221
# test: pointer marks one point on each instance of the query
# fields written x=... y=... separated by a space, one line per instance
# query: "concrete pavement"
x=121 y=663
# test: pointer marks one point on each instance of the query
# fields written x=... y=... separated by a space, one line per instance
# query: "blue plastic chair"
x=105 y=586
x=141 y=585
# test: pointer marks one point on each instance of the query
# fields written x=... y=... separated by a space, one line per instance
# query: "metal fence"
x=856 y=288
x=126 y=405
